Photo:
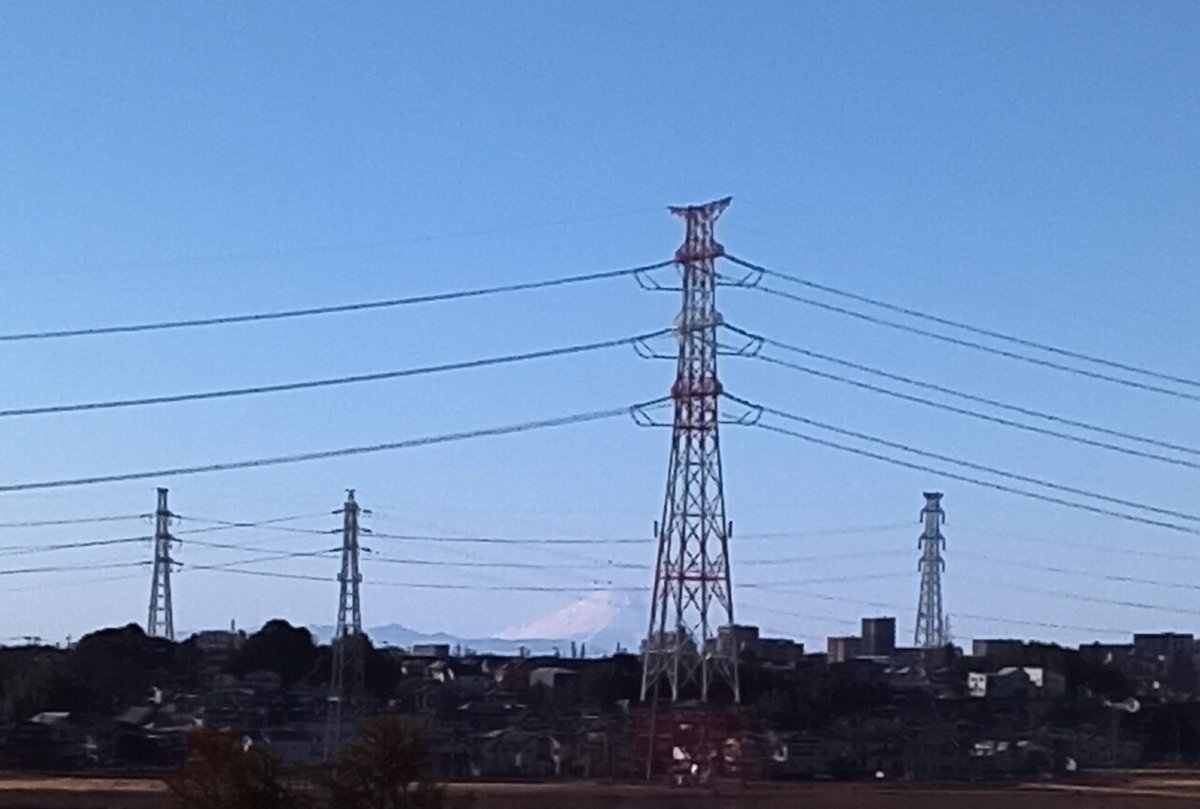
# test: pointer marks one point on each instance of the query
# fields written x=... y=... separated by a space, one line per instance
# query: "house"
x=1013 y=682
x=1000 y=651
x=516 y=753
x=51 y=740
x=565 y=684
x=843 y=648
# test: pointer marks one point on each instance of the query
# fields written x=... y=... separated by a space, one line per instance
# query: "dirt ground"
x=1149 y=790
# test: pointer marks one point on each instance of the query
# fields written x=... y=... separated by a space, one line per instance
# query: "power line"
x=854 y=577
x=975 y=345
x=506 y=359
x=826 y=532
x=437 y=297
x=73 y=582
x=493 y=540
x=576 y=540
x=968 y=397
x=973 y=480
x=377 y=244
x=511 y=429
x=978 y=346
x=239 y=568
x=64 y=568
x=1090 y=546
x=19 y=550
x=822 y=557
x=982 y=468
x=608 y=588
x=279 y=557
x=72 y=521
x=1066 y=571
x=1136 y=605
x=977 y=415
x=607 y=565
x=272 y=574
x=229 y=546
x=808 y=616
x=942 y=321
x=272 y=523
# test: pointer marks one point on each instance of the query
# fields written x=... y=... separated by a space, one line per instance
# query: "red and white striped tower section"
x=693 y=593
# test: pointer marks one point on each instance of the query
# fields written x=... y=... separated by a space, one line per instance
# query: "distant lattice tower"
x=932 y=629
x=692 y=586
x=160 y=620
x=347 y=680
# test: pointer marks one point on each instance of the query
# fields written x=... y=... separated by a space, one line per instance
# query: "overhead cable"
x=995 y=335
x=987 y=484
x=968 y=397
x=17 y=550
x=506 y=359
x=279 y=557
x=605 y=565
x=822 y=557
x=577 y=540
x=232 y=546
x=1182 y=515
x=1083 y=597
x=273 y=524
x=72 y=521
x=74 y=582
x=608 y=564
x=437 y=297
x=64 y=568
x=609 y=588
x=240 y=568
x=977 y=415
x=493 y=540
x=1068 y=571
x=487 y=432
x=841 y=310
x=271 y=574
x=1091 y=546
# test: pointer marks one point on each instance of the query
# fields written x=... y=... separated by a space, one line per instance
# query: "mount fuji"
x=602 y=621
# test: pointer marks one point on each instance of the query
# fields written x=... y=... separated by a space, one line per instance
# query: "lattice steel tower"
x=931 y=629
x=160 y=621
x=346 y=684
x=692 y=571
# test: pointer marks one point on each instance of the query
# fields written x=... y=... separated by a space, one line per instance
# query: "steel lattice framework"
x=346 y=684
x=160 y=620
x=692 y=572
x=931 y=621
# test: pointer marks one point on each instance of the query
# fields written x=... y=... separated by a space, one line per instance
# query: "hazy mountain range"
x=600 y=621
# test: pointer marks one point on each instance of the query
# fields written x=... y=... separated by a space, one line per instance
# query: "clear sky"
x=1029 y=167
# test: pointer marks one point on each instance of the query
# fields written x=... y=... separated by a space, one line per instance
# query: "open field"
x=1148 y=790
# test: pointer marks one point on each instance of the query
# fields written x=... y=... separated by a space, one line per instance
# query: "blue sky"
x=1028 y=167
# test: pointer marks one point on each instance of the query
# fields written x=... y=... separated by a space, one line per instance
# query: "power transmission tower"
x=692 y=571
x=160 y=622
x=932 y=629
x=347 y=681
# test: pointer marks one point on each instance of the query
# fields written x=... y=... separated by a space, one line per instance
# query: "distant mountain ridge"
x=598 y=621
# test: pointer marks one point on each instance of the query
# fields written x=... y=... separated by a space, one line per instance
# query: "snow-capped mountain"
x=601 y=621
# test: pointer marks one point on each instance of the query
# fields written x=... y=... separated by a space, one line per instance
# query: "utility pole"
x=160 y=622
x=347 y=682
x=931 y=631
x=692 y=572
